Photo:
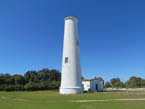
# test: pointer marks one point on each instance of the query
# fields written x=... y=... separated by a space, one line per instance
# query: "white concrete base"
x=76 y=90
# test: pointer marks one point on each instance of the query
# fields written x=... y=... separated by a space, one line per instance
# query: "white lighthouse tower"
x=71 y=70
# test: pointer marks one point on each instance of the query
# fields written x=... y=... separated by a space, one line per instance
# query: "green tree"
x=135 y=82
x=115 y=82
x=107 y=85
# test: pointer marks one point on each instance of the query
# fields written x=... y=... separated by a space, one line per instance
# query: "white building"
x=71 y=69
x=93 y=85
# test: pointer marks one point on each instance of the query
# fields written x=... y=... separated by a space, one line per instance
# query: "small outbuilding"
x=93 y=85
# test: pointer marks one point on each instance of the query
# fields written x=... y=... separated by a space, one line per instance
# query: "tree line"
x=44 y=79
x=133 y=82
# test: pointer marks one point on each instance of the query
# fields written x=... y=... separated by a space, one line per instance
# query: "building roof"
x=91 y=79
x=71 y=17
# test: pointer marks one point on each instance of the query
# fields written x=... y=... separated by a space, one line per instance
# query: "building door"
x=96 y=86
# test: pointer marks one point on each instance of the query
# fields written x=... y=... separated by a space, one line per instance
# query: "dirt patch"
x=3 y=97
x=137 y=99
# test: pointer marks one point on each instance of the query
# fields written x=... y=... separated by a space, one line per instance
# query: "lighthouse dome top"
x=71 y=17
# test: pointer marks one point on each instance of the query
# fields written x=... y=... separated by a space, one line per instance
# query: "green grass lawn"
x=53 y=100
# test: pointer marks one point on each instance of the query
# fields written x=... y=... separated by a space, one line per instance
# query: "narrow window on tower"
x=77 y=43
x=66 y=60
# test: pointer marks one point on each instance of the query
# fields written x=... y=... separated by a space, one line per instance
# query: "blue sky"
x=111 y=35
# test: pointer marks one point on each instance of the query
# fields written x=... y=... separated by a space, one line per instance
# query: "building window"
x=66 y=60
x=77 y=43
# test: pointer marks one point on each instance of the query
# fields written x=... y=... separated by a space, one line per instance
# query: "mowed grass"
x=53 y=100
